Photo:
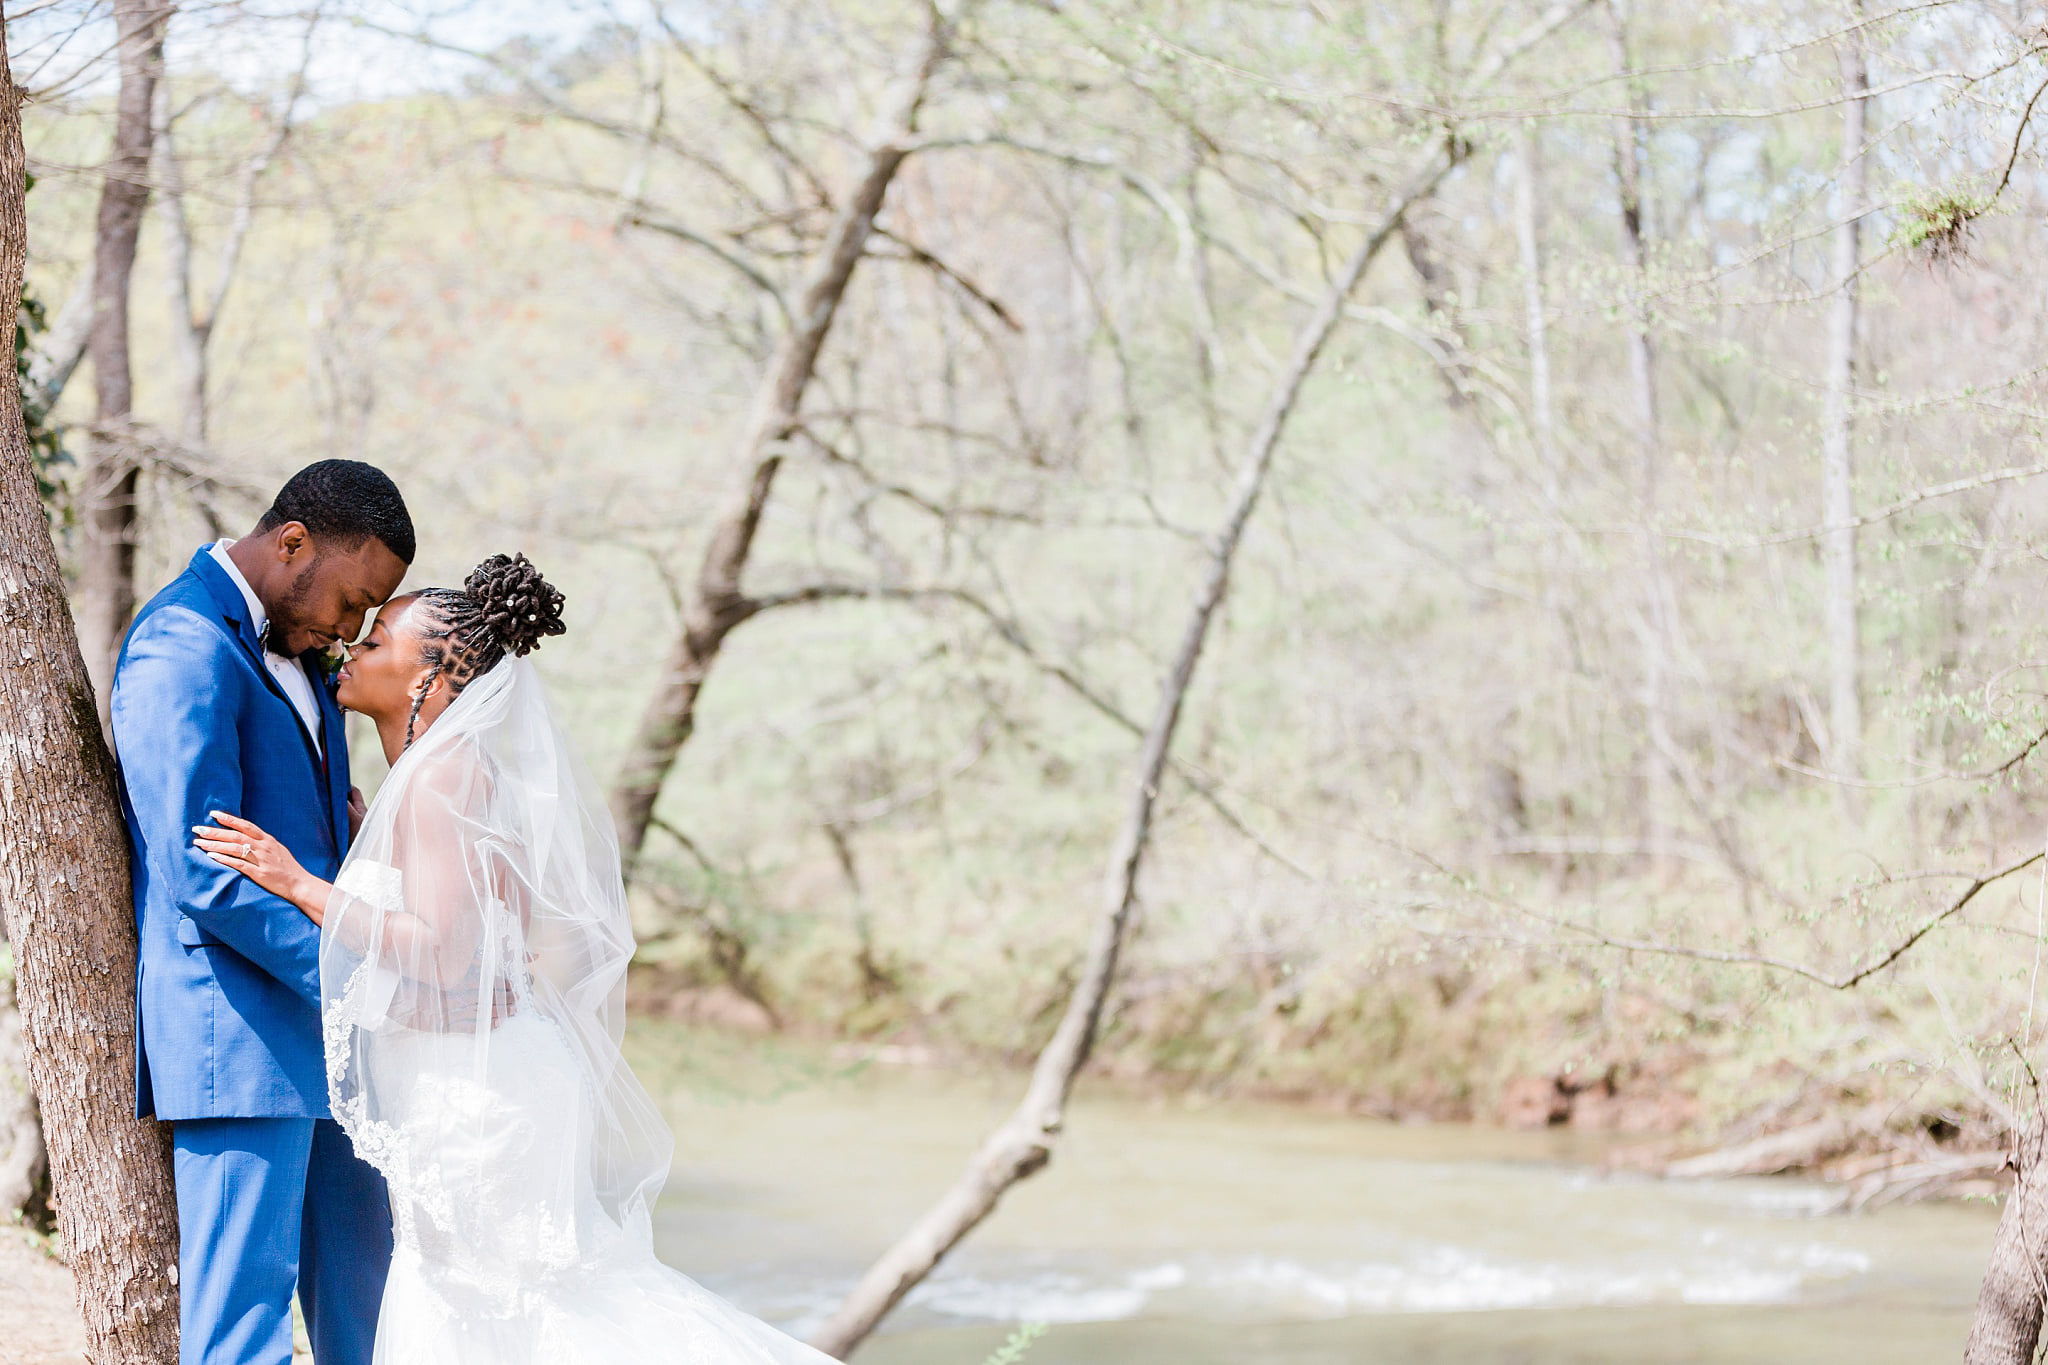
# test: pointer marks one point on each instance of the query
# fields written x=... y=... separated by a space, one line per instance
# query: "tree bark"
x=64 y=890
x=2007 y=1328
x=1838 y=496
x=106 y=569
x=1022 y=1145
x=716 y=603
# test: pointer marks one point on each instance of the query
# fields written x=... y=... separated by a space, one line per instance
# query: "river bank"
x=1182 y=1228
x=1699 y=1101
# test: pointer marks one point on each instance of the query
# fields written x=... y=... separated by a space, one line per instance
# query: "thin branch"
x=1899 y=783
x=921 y=256
x=1011 y=634
x=1832 y=982
x=636 y=217
x=1897 y=507
x=2026 y=117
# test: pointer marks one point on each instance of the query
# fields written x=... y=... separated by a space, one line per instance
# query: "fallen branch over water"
x=1800 y=1148
x=1926 y=1179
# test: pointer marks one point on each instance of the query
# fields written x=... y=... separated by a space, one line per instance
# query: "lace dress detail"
x=504 y=1254
x=472 y=976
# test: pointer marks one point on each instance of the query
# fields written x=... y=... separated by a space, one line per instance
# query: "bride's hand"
x=244 y=846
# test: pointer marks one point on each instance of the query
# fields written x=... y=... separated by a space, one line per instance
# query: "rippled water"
x=1240 y=1233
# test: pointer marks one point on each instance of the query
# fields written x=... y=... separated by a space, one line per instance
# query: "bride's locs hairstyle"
x=503 y=607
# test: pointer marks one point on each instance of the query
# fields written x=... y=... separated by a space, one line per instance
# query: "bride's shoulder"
x=371 y=881
x=450 y=774
x=447 y=796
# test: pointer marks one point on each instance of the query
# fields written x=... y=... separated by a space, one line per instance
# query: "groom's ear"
x=293 y=540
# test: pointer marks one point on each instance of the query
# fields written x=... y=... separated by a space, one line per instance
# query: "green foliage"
x=45 y=435
x=1938 y=226
x=43 y=1241
x=1012 y=1351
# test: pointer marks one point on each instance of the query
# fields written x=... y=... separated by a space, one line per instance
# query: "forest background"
x=1625 y=705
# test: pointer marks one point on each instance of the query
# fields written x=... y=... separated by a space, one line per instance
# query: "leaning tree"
x=64 y=890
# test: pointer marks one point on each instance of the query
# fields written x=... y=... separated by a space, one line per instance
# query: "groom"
x=217 y=706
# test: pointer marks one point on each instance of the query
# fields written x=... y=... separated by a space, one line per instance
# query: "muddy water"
x=1240 y=1233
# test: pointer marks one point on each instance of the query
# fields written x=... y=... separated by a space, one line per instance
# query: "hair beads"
x=503 y=607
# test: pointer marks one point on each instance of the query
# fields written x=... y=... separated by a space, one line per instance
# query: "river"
x=1232 y=1233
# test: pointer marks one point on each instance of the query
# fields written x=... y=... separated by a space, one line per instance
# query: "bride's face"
x=384 y=670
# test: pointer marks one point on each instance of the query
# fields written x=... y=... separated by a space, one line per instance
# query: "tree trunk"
x=63 y=346
x=716 y=603
x=1023 y=1143
x=1838 y=497
x=2007 y=1327
x=64 y=889
x=190 y=333
x=106 y=576
x=1655 y=610
x=191 y=324
x=1535 y=313
x=1437 y=301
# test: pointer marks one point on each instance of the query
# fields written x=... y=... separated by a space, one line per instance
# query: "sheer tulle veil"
x=484 y=886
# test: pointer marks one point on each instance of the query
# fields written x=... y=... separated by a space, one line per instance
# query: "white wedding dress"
x=472 y=972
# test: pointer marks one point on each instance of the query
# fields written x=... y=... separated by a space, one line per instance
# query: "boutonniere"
x=331 y=661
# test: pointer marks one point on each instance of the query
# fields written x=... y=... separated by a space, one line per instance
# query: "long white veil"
x=482 y=891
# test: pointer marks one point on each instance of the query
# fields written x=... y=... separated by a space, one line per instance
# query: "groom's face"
x=330 y=590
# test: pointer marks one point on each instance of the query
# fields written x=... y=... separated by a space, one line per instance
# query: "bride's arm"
x=248 y=849
x=431 y=881
x=431 y=842
x=431 y=934
x=434 y=843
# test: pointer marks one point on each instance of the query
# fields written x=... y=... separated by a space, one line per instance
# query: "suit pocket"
x=192 y=936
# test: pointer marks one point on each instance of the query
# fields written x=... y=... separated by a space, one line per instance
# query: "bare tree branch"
x=718 y=602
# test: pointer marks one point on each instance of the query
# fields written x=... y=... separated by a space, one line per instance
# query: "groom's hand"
x=358 y=808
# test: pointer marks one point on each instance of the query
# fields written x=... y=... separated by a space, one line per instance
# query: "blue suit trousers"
x=267 y=1205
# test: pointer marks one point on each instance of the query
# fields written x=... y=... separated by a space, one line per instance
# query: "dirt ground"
x=38 y=1324
x=38 y=1318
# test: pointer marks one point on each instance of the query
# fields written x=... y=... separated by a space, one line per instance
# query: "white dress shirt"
x=288 y=672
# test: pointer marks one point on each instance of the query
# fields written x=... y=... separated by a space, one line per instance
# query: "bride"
x=472 y=979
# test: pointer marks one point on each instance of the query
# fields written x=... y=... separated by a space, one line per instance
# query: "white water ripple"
x=1427 y=1279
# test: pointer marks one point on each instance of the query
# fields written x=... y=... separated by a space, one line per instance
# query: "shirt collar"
x=259 y=619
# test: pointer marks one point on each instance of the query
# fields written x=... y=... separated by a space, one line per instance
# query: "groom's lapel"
x=334 y=743
x=234 y=609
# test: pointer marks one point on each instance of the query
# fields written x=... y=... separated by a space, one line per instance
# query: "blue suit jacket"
x=227 y=982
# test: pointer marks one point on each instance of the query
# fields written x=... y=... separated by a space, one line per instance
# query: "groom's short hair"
x=344 y=500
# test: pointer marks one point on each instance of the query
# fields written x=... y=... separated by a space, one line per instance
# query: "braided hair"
x=503 y=607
